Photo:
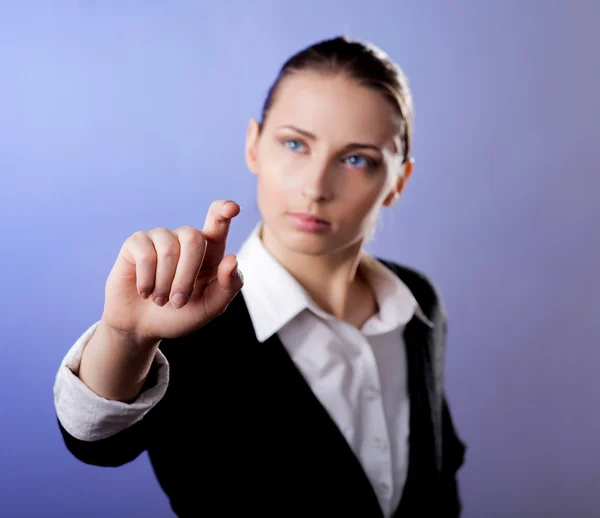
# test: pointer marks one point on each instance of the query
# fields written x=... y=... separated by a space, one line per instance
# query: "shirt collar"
x=274 y=297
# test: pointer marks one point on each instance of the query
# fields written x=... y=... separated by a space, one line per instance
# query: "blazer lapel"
x=291 y=381
x=425 y=423
x=423 y=386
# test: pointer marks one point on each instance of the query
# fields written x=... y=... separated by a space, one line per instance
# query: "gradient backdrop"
x=119 y=116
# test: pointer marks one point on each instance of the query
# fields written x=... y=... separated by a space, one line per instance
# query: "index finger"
x=216 y=229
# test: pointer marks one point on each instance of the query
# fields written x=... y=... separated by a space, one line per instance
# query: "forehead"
x=334 y=107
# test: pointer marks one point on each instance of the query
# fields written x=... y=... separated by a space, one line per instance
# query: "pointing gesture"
x=168 y=283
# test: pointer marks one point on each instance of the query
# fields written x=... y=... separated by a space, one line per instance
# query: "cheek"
x=269 y=194
x=279 y=171
x=368 y=207
x=363 y=204
x=274 y=188
x=367 y=194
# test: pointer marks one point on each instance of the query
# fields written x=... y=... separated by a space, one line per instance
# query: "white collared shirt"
x=359 y=376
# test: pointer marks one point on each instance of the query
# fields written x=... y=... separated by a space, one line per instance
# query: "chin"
x=319 y=245
x=308 y=244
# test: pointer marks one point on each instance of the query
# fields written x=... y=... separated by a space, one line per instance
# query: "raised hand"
x=168 y=283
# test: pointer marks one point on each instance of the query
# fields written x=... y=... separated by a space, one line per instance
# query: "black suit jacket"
x=239 y=430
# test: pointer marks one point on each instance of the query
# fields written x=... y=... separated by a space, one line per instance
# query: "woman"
x=318 y=391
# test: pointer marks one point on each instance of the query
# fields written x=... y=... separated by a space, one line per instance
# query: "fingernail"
x=237 y=274
x=160 y=301
x=144 y=294
x=179 y=299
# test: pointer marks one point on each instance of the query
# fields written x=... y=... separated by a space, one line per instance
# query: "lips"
x=309 y=217
x=307 y=222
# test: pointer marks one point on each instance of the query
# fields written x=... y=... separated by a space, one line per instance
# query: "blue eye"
x=294 y=145
x=357 y=161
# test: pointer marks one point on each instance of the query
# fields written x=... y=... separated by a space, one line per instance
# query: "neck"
x=334 y=281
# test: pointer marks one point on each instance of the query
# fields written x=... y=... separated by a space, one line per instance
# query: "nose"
x=312 y=195
x=318 y=185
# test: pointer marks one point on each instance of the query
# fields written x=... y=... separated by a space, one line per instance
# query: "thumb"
x=224 y=287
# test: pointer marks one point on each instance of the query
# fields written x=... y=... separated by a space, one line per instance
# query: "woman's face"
x=327 y=150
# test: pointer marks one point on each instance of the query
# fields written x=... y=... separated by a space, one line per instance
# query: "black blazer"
x=239 y=430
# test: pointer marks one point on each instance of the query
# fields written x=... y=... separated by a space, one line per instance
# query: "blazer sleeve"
x=117 y=449
x=112 y=451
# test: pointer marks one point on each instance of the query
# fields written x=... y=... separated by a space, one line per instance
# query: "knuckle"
x=137 y=236
x=191 y=237
x=165 y=243
x=170 y=250
x=161 y=231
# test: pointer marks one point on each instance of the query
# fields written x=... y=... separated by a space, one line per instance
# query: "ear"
x=400 y=183
x=252 y=137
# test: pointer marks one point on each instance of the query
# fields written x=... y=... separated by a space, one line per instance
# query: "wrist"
x=121 y=339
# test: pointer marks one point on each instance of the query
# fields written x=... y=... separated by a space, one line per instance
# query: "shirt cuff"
x=89 y=417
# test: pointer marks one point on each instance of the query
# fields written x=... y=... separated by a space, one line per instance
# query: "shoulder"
x=423 y=288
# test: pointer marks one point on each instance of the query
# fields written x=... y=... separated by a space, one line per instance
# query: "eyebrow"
x=312 y=136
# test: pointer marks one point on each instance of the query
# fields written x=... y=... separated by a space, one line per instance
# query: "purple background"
x=119 y=116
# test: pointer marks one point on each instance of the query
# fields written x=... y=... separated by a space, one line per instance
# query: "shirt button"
x=384 y=488
x=379 y=444
x=371 y=394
